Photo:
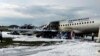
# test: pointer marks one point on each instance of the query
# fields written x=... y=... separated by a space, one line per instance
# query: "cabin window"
x=87 y=22
x=82 y=23
x=70 y=24
x=92 y=21
x=66 y=24
x=77 y=23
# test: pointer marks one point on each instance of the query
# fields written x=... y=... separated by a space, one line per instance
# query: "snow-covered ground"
x=33 y=38
x=7 y=35
x=68 y=48
x=27 y=38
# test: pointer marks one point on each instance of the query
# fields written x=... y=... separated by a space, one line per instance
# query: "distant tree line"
x=25 y=26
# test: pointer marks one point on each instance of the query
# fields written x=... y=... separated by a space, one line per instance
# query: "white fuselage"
x=80 y=25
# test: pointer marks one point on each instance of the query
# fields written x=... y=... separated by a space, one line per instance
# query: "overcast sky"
x=39 y=12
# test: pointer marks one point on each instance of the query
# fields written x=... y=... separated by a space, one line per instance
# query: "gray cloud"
x=46 y=14
x=45 y=11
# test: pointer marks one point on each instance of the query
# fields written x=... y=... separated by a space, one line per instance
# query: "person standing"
x=92 y=36
x=1 y=36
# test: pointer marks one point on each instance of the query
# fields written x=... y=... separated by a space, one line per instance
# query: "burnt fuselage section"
x=53 y=26
x=50 y=31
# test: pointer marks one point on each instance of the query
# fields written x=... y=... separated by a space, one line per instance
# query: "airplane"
x=73 y=27
x=81 y=26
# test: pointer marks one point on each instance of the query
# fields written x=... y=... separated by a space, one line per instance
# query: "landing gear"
x=66 y=35
x=70 y=35
x=98 y=39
